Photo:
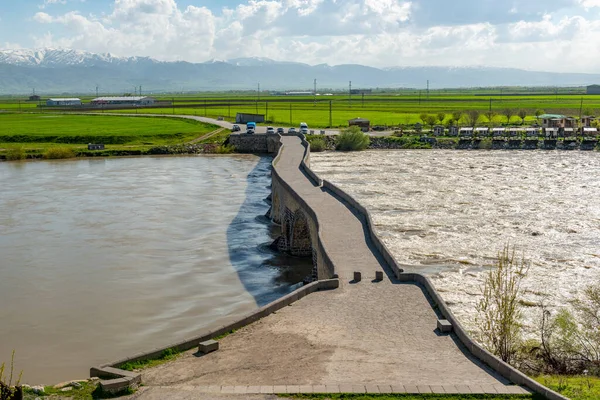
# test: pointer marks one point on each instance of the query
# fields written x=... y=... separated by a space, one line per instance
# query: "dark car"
x=235 y=128
x=281 y=131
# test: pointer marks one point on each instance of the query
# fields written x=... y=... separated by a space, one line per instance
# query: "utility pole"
x=350 y=94
x=173 y=104
x=427 y=89
x=330 y=119
x=291 y=121
x=205 y=109
x=315 y=92
x=363 y=99
x=140 y=90
x=266 y=110
x=419 y=97
x=490 y=104
x=258 y=93
x=96 y=90
x=580 y=111
x=229 y=109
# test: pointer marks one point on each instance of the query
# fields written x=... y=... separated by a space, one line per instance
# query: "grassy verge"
x=573 y=387
x=88 y=391
x=166 y=356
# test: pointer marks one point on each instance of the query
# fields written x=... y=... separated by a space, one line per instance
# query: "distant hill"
x=55 y=71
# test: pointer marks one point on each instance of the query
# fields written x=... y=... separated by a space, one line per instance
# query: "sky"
x=545 y=35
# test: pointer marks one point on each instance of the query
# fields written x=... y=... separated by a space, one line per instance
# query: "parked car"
x=235 y=128
x=270 y=130
x=304 y=128
x=281 y=131
x=292 y=130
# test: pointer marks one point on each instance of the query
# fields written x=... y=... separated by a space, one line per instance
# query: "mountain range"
x=62 y=71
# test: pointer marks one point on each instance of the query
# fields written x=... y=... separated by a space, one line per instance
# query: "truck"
x=250 y=127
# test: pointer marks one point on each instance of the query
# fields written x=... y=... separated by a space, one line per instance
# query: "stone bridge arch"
x=300 y=236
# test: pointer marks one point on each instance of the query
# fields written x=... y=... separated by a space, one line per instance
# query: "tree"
x=490 y=116
x=522 y=114
x=430 y=120
x=472 y=117
x=441 y=117
x=508 y=113
x=499 y=310
x=456 y=116
x=423 y=117
x=352 y=139
x=538 y=113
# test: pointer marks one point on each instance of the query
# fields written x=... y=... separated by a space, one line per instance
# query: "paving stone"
x=404 y=389
x=253 y=389
x=358 y=389
x=476 y=389
x=293 y=389
x=279 y=389
x=386 y=388
x=372 y=389
x=319 y=389
x=306 y=389
x=266 y=389
x=241 y=390
x=514 y=389
x=424 y=388
x=202 y=389
x=346 y=388
x=227 y=389
x=332 y=389
x=451 y=389
x=463 y=389
x=214 y=389
x=489 y=389
x=437 y=389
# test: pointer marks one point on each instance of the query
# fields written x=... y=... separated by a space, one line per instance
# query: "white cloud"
x=371 y=32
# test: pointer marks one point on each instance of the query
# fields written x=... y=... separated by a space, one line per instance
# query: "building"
x=439 y=130
x=363 y=124
x=242 y=118
x=35 y=97
x=593 y=89
x=466 y=132
x=498 y=132
x=557 y=121
x=482 y=132
x=587 y=120
x=124 y=101
x=63 y=102
x=361 y=91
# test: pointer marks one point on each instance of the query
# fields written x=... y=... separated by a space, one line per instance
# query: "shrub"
x=15 y=153
x=225 y=149
x=352 y=139
x=499 y=318
x=7 y=391
x=317 y=145
x=56 y=153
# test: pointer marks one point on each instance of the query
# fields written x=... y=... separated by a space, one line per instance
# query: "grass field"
x=35 y=133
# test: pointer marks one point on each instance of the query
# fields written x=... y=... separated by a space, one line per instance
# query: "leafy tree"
x=490 y=116
x=352 y=139
x=431 y=120
x=472 y=117
x=508 y=113
x=522 y=114
x=441 y=117
x=423 y=117
x=456 y=116
x=538 y=113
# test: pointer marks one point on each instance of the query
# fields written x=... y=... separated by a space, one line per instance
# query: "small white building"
x=551 y=133
x=465 y=132
x=482 y=132
x=63 y=102
x=589 y=132
x=498 y=132
x=532 y=132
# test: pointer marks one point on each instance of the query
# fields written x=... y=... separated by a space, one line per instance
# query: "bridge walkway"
x=366 y=333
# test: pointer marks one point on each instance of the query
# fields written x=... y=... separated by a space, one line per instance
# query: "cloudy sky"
x=550 y=35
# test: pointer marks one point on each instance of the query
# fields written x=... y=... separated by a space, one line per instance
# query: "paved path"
x=361 y=335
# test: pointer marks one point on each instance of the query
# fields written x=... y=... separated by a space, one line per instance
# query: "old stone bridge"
x=394 y=334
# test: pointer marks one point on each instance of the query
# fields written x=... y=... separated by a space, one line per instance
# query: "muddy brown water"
x=101 y=259
x=447 y=214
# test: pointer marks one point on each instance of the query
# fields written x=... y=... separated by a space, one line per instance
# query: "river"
x=104 y=258
x=448 y=213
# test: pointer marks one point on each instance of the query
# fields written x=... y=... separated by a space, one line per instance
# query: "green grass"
x=39 y=133
x=166 y=356
x=413 y=396
x=573 y=387
x=88 y=391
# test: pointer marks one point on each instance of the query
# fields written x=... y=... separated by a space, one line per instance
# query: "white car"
x=292 y=130
x=270 y=130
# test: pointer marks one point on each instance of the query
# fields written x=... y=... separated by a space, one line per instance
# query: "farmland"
x=393 y=108
x=36 y=133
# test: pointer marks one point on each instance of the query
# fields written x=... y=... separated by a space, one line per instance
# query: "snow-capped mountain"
x=53 y=71
x=61 y=57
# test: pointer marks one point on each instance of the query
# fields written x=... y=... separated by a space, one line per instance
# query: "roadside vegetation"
x=166 y=356
x=10 y=385
x=352 y=139
x=565 y=355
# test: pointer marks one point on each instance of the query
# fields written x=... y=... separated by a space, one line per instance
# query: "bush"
x=317 y=145
x=225 y=149
x=15 y=153
x=56 y=153
x=352 y=139
x=499 y=317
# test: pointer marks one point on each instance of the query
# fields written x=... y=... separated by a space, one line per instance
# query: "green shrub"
x=15 y=153
x=352 y=139
x=56 y=153
x=317 y=145
x=225 y=149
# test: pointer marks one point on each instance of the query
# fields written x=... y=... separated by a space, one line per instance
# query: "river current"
x=104 y=258
x=448 y=213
